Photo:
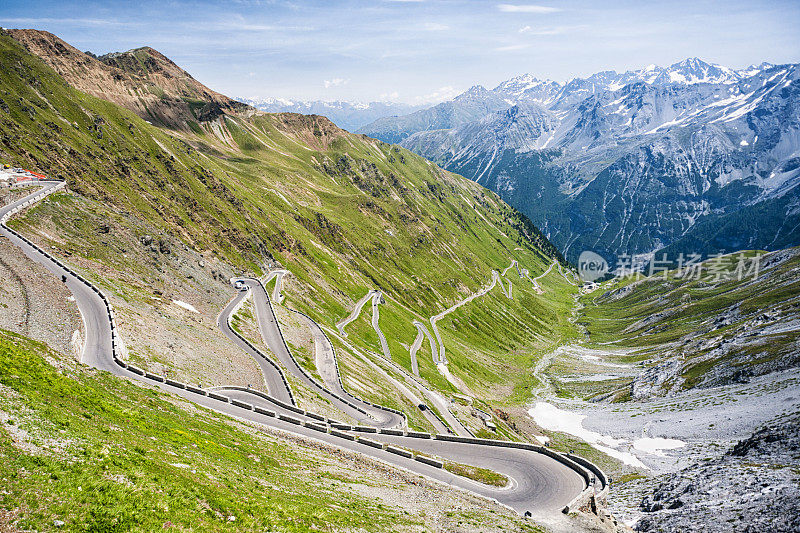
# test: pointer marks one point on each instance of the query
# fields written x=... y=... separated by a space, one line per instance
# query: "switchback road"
x=542 y=481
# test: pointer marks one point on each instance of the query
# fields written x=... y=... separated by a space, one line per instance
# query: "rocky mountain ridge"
x=142 y=80
x=695 y=157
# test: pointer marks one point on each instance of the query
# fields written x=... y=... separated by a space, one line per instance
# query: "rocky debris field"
x=8 y=195
x=708 y=420
x=166 y=295
x=753 y=487
x=35 y=303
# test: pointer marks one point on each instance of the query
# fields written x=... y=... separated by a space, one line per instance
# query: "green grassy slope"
x=101 y=454
x=718 y=330
x=343 y=212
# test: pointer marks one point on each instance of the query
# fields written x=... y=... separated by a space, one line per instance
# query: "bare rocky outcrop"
x=142 y=80
x=754 y=487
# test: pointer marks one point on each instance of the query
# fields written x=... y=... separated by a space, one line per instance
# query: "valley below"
x=656 y=441
x=681 y=438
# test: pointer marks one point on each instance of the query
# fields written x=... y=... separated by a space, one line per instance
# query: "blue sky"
x=415 y=50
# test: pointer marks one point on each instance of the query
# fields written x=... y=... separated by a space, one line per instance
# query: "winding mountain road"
x=376 y=314
x=422 y=332
x=542 y=482
x=273 y=378
x=448 y=422
x=509 y=267
x=277 y=297
x=354 y=313
x=535 y=280
x=270 y=331
x=442 y=357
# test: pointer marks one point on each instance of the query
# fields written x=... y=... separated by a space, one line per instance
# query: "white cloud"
x=390 y=96
x=526 y=8
x=335 y=82
x=435 y=26
x=511 y=47
x=243 y=26
x=241 y=23
x=441 y=94
x=71 y=21
x=528 y=30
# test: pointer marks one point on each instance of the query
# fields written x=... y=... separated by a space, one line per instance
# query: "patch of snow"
x=744 y=143
x=778 y=179
x=187 y=306
x=677 y=77
x=615 y=102
x=591 y=377
x=554 y=419
x=664 y=125
x=654 y=446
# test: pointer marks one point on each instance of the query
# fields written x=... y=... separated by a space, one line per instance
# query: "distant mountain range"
x=694 y=157
x=347 y=115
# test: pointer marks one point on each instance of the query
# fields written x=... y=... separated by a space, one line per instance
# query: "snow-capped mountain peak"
x=752 y=70
x=695 y=70
x=632 y=162
x=528 y=88
x=347 y=115
x=519 y=84
x=476 y=91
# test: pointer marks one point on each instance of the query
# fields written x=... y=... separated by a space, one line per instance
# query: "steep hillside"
x=86 y=451
x=142 y=80
x=342 y=212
